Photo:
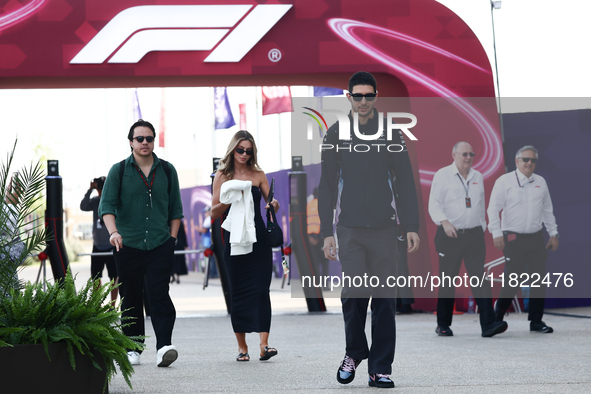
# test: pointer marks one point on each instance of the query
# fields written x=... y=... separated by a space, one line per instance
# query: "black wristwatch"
x=176 y=240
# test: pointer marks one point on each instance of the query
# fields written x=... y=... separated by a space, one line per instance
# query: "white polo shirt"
x=525 y=204
x=447 y=200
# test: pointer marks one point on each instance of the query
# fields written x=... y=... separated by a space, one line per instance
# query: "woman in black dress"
x=250 y=274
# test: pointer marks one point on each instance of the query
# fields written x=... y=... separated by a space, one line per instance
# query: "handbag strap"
x=271 y=214
x=270 y=224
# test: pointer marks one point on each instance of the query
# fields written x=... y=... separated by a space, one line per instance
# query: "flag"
x=137 y=112
x=321 y=91
x=221 y=109
x=242 y=116
x=276 y=99
x=162 y=123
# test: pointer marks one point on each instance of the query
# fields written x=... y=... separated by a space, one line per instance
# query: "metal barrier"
x=110 y=253
x=42 y=266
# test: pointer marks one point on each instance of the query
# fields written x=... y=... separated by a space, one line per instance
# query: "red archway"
x=416 y=48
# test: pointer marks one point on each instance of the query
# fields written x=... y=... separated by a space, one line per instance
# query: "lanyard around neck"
x=519 y=183
x=146 y=182
x=466 y=188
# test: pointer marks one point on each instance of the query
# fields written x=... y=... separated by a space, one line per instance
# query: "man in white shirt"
x=525 y=203
x=456 y=205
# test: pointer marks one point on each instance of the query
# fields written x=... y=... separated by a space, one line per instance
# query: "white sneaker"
x=134 y=358
x=166 y=355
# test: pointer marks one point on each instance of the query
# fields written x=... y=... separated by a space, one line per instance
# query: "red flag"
x=162 y=123
x=276 y=99
x=242 y=116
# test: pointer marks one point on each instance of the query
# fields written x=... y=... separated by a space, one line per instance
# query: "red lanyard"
x=146 y=182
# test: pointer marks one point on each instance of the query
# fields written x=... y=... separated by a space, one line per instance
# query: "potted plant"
x=59 y=338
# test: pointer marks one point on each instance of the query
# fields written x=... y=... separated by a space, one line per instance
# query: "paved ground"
x=312 y=345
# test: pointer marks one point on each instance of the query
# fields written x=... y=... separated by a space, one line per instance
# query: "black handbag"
x=274 y=232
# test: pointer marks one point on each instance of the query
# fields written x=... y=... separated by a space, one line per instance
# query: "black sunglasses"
x=527 y=159
x=241 y=151
x=140 y=139
x=359 y=96
x=466 y=154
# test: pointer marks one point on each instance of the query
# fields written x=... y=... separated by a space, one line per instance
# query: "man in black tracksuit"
x=360 y=176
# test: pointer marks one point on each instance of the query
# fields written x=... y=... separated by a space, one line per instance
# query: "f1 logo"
x=134 y=32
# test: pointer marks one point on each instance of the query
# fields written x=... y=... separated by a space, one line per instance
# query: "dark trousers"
x=154 y=266
x=370 y=251
x=97 y=263
x=470 y=247
x=525 y=254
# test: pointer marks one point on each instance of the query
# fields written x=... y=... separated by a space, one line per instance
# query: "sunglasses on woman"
x=241 y=151
x=140 y=139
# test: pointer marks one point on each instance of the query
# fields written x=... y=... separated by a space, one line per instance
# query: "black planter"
x=26 y=369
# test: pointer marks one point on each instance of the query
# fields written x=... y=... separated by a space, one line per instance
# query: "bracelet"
x=110 y=235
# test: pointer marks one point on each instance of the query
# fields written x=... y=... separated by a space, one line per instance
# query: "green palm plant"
x=85 y=321
x=20 y=236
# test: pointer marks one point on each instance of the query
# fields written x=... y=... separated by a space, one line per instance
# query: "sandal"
x=269 y=352
x=243 y=357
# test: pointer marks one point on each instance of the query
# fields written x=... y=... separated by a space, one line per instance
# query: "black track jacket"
x=366 y=195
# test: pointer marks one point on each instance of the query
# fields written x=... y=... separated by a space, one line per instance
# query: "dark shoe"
x=444 y=331
x=381 y=381
x=540 y=327
x=346 y=372
x=243 y=357
x=269 y=352
x=494 y=328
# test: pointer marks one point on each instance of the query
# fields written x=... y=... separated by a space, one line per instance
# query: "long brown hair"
x=227 y=163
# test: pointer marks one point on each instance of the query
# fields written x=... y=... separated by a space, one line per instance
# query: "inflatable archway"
x=415 y=48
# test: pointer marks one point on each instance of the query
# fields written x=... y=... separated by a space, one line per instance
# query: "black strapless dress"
x=250 y=278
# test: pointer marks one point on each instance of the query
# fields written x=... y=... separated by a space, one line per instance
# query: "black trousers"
x=97 y=263
x=135 y=265
x=525 y=254
x=470 y=247
x=371 y=252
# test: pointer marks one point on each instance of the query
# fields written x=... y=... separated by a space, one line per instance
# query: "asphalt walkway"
x=311 y=346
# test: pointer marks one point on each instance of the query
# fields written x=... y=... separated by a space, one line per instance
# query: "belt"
x=522 y=234
x=469 y=230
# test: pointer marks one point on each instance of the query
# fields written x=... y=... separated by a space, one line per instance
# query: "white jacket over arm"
x=240 y=219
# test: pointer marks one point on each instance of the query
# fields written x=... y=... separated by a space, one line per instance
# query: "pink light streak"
x=21 y=14
x=490 y=161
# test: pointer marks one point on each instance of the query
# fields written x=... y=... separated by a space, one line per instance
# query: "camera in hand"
x=99 y=182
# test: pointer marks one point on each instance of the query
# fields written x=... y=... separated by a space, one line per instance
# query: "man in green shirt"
x=141 y=207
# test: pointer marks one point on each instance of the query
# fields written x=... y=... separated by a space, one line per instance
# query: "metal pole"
x=492 y=7
x=54 y=223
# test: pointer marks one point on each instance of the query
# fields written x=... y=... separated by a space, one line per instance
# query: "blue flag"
x=137 y=112
x=321 y=91
x=221 y=109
